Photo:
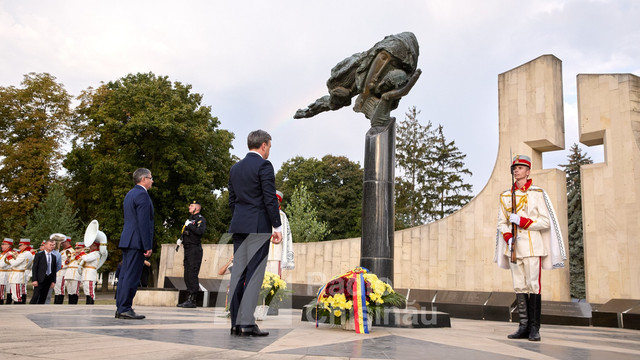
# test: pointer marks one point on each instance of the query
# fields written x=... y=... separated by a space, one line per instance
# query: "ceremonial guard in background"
x=192 y=232
x=5 y=269
x=538 y=244
x=281 y=254
x=91 y=259
x=71 y=276
x=66 y=253
x=20 y=262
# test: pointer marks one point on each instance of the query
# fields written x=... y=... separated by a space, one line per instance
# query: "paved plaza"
x=92 y=332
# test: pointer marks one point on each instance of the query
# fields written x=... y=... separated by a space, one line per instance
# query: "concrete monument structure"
x=609 y=114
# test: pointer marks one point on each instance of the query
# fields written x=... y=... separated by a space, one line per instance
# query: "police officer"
x=192 y=232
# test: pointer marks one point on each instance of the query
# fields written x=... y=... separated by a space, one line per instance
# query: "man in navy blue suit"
x=255 y=215
x=136 y=242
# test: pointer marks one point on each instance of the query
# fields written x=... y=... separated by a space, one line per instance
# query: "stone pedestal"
x=378 y=212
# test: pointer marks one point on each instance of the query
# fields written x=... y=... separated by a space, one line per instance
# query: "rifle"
x=514 y=227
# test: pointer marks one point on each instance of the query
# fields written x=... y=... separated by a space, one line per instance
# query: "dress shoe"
x=129 y=315
x=235 y=330
x=252 y=331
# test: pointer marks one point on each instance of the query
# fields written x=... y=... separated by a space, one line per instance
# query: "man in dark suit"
x=43 y=272
x=136 y=242
x=255 y=213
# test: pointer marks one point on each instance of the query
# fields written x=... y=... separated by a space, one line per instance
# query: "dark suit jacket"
x=137 y=232
x=252 y=196
x=39 y=269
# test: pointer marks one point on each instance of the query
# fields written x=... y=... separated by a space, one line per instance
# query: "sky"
x=257 y=62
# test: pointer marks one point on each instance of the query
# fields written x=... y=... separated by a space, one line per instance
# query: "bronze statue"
x=379 y=76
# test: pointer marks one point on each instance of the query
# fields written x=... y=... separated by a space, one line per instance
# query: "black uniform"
x=191 y=236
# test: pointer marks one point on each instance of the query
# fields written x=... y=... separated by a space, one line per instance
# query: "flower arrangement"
x=273 y=290
x=355 y=294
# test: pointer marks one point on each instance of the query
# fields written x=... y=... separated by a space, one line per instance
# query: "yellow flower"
x=271 y=292
x=337 y=312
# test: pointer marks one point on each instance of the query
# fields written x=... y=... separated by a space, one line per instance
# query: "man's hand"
x=276 y=238
x=35 y=283
x=148 y=253
x=53 y=285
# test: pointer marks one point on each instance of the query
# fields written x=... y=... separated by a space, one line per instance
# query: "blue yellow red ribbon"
x=359 y=292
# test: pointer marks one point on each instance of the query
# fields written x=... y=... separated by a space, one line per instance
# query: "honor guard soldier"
x=71 y=276
x=5 y=269
x=88 y=266
x=66 y=252
x=192 y=232
x=538 y=244
x=281 y=254
x=20 y=262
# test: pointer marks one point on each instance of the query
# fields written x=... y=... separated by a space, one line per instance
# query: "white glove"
x=179 y=242
x=514 y=219
x=186 y=223
x=511 y=242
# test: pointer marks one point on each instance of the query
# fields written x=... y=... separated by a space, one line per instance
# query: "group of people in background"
x=57 y=269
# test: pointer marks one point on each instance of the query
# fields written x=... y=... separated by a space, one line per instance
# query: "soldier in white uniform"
x=19 y=265
x=88 y=261
x=66 y=252
x=5 y=269
x=539 y=244
x=281 y=254
x=71 y=276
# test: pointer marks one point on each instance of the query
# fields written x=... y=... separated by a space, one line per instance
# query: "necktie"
x=48 y=263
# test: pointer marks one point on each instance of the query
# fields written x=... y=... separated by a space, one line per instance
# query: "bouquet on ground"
x=358 y=296
x=273 y=290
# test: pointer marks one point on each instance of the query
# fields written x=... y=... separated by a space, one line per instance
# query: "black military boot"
x=191 y=302
x=73 y=299
x=1 y=301
x=89 y=300
x=523 y=306
x=24 y=299
x=59 y=299
x=9 y=299
x=535 y=305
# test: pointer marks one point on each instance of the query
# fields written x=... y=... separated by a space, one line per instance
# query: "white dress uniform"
x=71 y=277
x=17 y=278
x=5 y=269
x=281 y=255
x=89 y=264
x=65 y=255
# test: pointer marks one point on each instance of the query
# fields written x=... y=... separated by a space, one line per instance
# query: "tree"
x=144 y=120
x=53 y=215
x=32 y=120
x=413 y=160
x=574 y=212
x=303 y=218
x=445 y=181
x=334 y=185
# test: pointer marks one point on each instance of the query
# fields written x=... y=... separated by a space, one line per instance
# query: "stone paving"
x=92 y=332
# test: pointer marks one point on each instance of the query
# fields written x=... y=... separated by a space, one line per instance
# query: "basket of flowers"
x=353 y=299
x=272 y=293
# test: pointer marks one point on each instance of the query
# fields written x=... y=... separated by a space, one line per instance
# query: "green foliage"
x=334 y=185
x=305 y=226
x=430 y=183
x=144 y=120
x=53 y=215
x=33 y=119
x=574 y=212
x=446 y=184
